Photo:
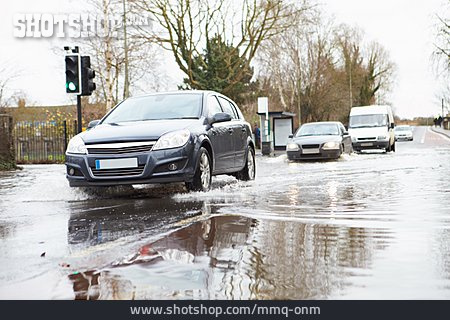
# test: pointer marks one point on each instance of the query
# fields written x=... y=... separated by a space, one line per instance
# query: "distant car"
x=183 y=136
x=404 y=133
x=319 y=140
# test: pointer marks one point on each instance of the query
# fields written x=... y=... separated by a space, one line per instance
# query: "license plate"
x=310 y=151
x=116 y=163
x=367 y=144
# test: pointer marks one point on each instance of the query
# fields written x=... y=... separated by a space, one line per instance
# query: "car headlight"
x=76 y=145
x=382 y=137
x=172 y=139
x=331 y=145
x=354 y=139
x=292 y=147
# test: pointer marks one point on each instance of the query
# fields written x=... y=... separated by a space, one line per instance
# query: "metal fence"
x=6 y=142
x=42 y=142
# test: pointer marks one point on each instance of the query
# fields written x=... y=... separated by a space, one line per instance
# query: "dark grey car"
x=319 y=140
x=184 y=136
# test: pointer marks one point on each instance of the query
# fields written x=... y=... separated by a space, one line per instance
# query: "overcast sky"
x=404 y=28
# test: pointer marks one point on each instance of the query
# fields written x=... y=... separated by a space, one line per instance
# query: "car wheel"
x=249 y=170
x=202 y=177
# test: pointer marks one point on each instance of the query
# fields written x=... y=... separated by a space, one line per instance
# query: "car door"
x=243 y=132
x=219 y=135
x=346 y=139
x=238 y=131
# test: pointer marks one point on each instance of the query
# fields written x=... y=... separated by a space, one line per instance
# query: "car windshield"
x=157 y=107
x=403 y=129
x=318 y=129
x=368 y=120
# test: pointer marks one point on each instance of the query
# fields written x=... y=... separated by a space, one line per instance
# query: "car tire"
x=249 y=170
x=389 y=149
x=203 y=173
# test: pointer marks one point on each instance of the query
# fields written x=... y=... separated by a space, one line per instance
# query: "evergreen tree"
x=222 y=69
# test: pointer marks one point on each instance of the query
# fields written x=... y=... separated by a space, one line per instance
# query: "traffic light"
x=73 y=74
x=87 y=76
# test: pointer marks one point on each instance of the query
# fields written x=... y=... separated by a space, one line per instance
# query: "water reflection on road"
x=366 y=226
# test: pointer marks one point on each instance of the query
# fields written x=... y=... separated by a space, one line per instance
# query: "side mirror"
x=392 y=125
x=92 y=124
x=290 y=136
x=220 y=117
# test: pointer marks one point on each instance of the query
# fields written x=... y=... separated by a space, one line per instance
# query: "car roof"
x=373 y=109
x=176 y=92
x=203 y=92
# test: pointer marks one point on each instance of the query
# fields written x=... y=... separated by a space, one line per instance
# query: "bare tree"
x=378 y=76
x=441 y=54
x=442 y=43
x=186 y=25
x=123 y=61
x=320 y=70
x=6 y=76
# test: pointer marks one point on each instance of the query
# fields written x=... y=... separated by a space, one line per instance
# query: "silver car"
x=319 y=140
x=404 y=132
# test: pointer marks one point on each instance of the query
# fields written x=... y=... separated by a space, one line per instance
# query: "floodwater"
x=368 y=226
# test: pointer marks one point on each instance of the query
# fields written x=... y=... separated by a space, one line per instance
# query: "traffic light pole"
x=79 y=124
x=79 y=78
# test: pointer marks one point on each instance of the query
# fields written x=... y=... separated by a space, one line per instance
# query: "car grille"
x=118 y=172
x=120 y=148
x=365 y=139
x=310 y=146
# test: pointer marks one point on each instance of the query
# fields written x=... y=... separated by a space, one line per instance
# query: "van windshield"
x=368 y=121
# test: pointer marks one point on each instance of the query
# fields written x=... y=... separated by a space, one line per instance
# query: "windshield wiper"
x=326 y=134
x=365 y=126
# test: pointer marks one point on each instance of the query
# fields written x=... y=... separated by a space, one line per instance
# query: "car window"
x=213 y=106
x=228 y=108
x=236 y=109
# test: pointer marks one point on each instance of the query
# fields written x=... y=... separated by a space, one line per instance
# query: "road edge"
x=440 y=132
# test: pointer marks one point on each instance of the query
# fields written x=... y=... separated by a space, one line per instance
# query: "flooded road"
x=368 y=226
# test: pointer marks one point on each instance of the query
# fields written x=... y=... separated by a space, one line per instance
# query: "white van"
x=372 y=127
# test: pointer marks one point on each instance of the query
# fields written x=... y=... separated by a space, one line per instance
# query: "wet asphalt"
x=368 y=226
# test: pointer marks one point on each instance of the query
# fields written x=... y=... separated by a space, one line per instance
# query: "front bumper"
x=323 y=155
x=153 y=167
x=404 y=138
x=363 y=145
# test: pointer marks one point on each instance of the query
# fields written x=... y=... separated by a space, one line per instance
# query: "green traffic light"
x=71 y=86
